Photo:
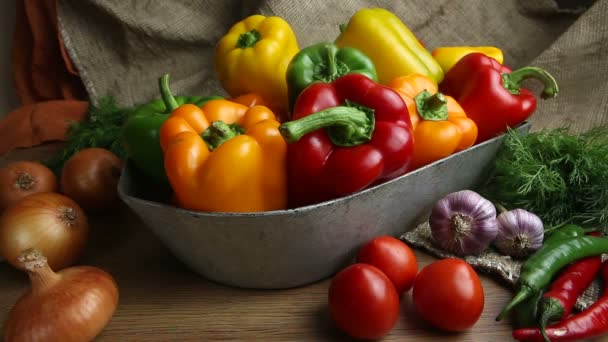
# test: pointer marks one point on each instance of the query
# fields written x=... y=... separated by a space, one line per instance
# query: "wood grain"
x=162 y=300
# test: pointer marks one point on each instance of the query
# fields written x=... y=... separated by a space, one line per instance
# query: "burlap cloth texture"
x=121 y=47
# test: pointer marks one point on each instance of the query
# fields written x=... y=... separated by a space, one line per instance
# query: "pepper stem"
x=248 y=39
x=331 y=67
x=219 y=132
x=501 y=208
x=522 y=295
x=165 y=92
x=348 y=125
x=433 y=107
x=551 y=310
x=512 y=81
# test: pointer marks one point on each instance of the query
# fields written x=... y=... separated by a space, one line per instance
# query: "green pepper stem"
x=347 y=125
x=219 y=132
x=501 y=208
x=512 y=81
x=331 y=67
x=551 y=309
x=522 y=295
x=165 y=92
x=248 y=39
x=433 y=107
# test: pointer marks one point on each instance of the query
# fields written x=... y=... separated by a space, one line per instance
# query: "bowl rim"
x=525 y=126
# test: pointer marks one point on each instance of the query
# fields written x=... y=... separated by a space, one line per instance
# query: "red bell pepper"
x=345 y=136
x=491 y=94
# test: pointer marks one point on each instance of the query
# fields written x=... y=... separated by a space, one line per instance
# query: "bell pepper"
x=447 y=56
x=441 y=127
x=225 y=157
x=249 y=100
x=324 y=62
x=492 y=95
x=253 y=57
x=344 y=137
x=390 y=44
x=141 y=131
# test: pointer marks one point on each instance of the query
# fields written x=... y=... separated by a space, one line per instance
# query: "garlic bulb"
x=520 y=233
x=463 y=223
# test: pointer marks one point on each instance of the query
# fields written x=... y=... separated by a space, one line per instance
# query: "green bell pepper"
x=324 y=62
x=141 y=131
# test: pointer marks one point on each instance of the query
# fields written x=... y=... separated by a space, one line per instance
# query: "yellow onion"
x=23 y=178
x=73 y=305
x=49 y=222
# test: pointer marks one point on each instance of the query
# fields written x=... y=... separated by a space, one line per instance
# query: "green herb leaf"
x=560 y=176
x=101 y=128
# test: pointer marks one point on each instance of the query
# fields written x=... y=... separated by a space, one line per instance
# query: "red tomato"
x=363 y=302
x=393 y=257
x=448 y=294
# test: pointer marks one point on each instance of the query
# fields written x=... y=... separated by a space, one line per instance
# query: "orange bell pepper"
x=225 y=157
x=249 y=100
x=253 y=99
x=441 y=127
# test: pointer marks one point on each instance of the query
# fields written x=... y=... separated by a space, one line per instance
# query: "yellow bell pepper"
x=225 y=157
x=448 y=56
x=393 y=48
x=253 y=57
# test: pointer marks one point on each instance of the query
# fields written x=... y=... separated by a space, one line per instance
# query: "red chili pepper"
x=558 y=302
x=345 y=136
x=590 y=323
x=491 y=94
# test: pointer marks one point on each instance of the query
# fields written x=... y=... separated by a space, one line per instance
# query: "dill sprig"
x=101 y=127
x=560 y=176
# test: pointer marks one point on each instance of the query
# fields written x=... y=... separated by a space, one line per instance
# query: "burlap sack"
x=121 y=47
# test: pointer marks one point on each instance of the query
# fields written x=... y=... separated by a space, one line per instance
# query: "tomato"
x=363 y=302
x=448 y=294
x=394 y=258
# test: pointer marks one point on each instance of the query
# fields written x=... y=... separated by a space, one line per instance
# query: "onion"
x=90 y=178
x=74 y=304
x=463 y=223
x=49 y=222
x=520 y=233
x=23 y=178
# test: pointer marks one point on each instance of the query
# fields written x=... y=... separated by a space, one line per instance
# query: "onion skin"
x=463 y=223
x=520 y=233
x=23 y=178
x=72 y=305
x=90 y=177
x=49 y=222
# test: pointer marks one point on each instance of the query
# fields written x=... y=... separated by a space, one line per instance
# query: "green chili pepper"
x=537 y=272
x=141 y=133
x=324 y=62
x=566 y=232
x=526 y=312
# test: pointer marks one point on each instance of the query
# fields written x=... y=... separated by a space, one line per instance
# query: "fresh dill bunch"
x=101 y=128
x=560 y=176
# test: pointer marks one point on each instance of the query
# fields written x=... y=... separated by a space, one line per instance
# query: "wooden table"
x=162 y=300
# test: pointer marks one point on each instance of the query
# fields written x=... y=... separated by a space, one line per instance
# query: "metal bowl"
x=289 y=248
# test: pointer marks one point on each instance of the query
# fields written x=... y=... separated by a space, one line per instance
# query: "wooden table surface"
x=162 y=300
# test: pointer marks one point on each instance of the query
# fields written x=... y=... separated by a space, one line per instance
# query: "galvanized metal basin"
x=289 y=248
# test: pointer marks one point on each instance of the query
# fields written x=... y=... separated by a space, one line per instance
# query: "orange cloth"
x=46 y=82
